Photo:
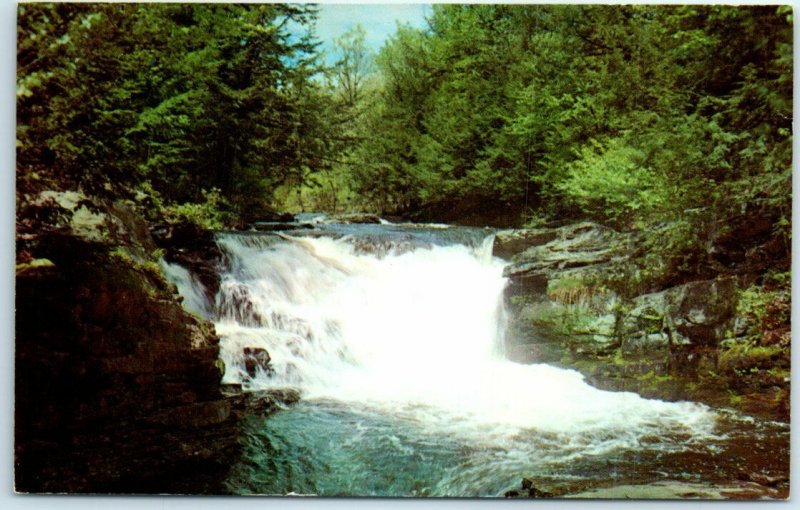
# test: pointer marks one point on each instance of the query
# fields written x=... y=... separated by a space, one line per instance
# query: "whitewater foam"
x=416 y=334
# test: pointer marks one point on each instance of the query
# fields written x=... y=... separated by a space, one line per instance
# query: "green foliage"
x=155 y=280
x=765 y=308
x=612 y=181
x=170 y=98
x=672 y=120
x=212 y=213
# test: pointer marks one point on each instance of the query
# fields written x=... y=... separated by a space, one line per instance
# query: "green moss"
x=211 y=214
x=35 y=264
x=654 y=378
x=618 y=358
x=782 y=373
x=220 y=366
x=755 y=353
x=153 y=280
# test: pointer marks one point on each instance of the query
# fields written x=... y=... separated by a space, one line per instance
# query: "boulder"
x=256 y=359
x=351 y=218
x=93 y=220
x=702 y=312
x=696 y=313
x=193 y=248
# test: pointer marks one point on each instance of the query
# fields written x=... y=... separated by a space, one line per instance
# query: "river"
x=394 y=336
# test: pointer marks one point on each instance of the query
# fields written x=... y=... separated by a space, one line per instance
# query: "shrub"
x=212 y=213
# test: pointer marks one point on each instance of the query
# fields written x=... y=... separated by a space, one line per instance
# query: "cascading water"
x=398 y=355
x=189 y=288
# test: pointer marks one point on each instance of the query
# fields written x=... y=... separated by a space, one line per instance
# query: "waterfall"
x=414 y=333
x=192 y=291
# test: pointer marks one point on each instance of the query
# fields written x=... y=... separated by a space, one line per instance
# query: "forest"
x=655 y=118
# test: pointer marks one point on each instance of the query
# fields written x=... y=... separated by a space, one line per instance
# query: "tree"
x=353 y=66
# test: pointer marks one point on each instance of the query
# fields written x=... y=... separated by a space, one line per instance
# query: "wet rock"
x=194 y=248
x=256 y=359
x=193 y=416
x=529 y=490
x=527 y=285
x=263 y=401
x=768 y=480
x=683 y=490
x=508 y=243
x=350 y=218
x=533 y=492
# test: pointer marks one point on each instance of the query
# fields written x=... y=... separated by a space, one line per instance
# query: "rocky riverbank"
x=573 y=302
x=117 y=387
x=576 y=300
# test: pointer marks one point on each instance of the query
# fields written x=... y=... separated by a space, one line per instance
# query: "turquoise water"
x=329 y=449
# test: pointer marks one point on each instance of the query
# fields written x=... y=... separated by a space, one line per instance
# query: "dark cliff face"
x=116 y=386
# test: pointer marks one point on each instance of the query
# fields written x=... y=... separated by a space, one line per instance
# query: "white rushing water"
x=189 y=288
x=416 y=335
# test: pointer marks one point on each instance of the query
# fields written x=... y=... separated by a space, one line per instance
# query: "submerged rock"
x=256 y=359
x=261 y=401
x=528 y=490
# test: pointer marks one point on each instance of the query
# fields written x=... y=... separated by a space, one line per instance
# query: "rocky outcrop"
x=697 y=313
x=193 y=248
x=116 y=386
x=581 y=251
x=669 y=344
x=256 y=359
x=509 y=243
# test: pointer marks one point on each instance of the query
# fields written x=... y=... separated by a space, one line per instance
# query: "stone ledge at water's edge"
x=117 y=387
x=666 y=344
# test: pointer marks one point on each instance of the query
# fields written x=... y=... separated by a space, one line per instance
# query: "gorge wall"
x=117 y=387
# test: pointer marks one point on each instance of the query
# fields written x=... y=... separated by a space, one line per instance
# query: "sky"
x=379 y=22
